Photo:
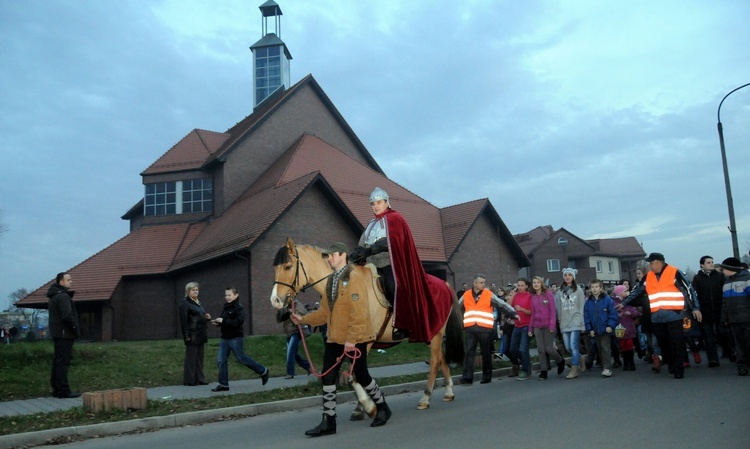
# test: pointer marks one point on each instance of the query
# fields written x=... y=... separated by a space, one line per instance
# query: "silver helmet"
x=378 y=194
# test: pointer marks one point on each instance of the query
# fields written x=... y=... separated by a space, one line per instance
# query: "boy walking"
x=601 y=318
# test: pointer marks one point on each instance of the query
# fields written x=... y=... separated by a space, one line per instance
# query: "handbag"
x=620 y=331
x=306 y=332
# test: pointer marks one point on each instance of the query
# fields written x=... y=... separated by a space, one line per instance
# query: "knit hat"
x=572 y=271
x=618 y=290
x=732 y=264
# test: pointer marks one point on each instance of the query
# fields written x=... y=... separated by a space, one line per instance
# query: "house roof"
x=458 y=219
x=146 y=250
x=623 y=247
x=189 y=153
x=349 y=180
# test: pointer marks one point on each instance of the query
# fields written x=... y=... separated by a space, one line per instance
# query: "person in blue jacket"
x=601 y=318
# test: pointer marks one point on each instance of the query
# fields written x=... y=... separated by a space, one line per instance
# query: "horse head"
x=286 y=279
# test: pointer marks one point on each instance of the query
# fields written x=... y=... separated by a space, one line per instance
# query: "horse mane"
x=282 y=257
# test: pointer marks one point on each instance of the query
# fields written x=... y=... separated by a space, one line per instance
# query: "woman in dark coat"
x=193 y=321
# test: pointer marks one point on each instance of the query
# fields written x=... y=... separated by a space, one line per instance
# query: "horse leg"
x=448 y=396
x=436 y=360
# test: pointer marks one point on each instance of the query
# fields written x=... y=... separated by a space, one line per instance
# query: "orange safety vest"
x=478 y=312
x=662 y=292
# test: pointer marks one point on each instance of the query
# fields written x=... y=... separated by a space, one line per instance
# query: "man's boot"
x=382 y=417
x=514 y=371
x=326 y=427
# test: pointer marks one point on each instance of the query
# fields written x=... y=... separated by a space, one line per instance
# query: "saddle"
x=379 y=287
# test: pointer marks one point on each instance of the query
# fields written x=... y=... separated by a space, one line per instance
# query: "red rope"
x=340 y=359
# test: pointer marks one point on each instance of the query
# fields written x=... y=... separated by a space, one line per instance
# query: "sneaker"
x=543 y=375
x=607 y=373
x=264 y=377
x=523 y=375
x=657 y=363
x=697 y=357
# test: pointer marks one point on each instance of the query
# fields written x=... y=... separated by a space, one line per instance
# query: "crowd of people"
x=664 y=319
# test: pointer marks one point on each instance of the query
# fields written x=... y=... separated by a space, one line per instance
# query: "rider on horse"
x=387 y=243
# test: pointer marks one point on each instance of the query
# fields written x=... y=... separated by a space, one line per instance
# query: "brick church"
x=218 y=205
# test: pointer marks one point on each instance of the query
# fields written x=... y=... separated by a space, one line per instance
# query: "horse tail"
x=454 y=332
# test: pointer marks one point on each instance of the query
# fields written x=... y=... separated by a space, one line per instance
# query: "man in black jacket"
x=708 y=284
x=64 y=327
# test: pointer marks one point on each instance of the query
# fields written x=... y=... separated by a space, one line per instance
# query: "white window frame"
x=611 y=266
x=550 y=267
x=598 y=266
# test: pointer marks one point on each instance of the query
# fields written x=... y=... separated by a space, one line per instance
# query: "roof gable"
x=189 y=153
x=624 y=247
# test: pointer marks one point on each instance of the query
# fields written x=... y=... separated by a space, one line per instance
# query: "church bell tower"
x=270 y=56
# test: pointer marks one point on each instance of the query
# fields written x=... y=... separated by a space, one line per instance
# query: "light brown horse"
x=297 y=267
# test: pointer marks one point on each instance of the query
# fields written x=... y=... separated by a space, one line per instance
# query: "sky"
x=600 y=117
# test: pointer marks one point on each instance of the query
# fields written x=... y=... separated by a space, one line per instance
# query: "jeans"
x=519 y=347
x=235 y=345
x=571 y=340
x=292 y=356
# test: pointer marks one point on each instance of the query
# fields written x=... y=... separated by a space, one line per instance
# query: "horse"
x=298 y=267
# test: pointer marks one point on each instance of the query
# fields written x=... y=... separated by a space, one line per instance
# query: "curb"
x=202 y=416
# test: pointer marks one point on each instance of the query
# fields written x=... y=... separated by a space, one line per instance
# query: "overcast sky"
x=589 y=115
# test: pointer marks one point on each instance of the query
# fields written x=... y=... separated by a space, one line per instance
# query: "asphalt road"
x=706 y=409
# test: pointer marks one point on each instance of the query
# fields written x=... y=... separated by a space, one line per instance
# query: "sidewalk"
x=50 y=404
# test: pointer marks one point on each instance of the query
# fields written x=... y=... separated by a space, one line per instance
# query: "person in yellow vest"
x=672 y=300
x=476 y=305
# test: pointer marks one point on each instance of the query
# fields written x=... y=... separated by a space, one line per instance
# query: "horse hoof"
x=448 y=398
x=422 y=406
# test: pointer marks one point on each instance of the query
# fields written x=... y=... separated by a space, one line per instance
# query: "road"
x=707 y=409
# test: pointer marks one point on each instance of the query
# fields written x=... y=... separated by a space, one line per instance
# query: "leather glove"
x=359 y=254
x=380 y=246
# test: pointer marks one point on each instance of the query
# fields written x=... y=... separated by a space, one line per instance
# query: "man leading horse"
x=344 y=308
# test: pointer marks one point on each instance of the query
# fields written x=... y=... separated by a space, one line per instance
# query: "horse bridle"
x=295 y=281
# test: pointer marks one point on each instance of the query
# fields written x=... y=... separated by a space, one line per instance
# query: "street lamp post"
x=730 y=202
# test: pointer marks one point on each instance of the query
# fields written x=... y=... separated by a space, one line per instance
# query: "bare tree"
x=32 y=316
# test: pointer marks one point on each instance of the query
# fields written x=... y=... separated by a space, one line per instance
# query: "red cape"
x=423 y=302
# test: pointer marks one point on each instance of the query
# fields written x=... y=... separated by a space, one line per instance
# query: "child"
x=569 y=301
x=543 y=326
x=601 y=318
x=627 y=314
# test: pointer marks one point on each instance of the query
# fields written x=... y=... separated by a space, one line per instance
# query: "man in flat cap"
x=736 y=310
x=671 y=299
x=344 y=308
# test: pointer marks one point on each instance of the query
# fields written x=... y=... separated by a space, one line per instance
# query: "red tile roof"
x=457 y=220
x=147 y=250
x=189 y=153
x=624 y=247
